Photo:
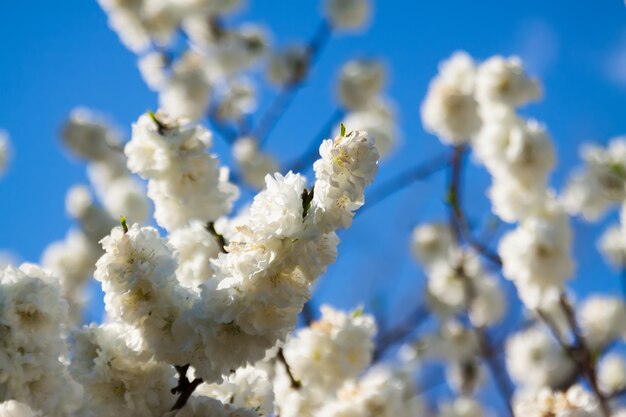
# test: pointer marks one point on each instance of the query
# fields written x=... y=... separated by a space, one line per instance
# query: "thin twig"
x=210 y=227
x=459 y=226
x=295 y=384
x=400 y=332
x=281 y=103
x=404 y=179
x=584 y=356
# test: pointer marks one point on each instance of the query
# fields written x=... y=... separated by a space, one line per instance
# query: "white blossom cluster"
x=596 y=188
x=202 y=304
x=185 y=181
x=330 y=360
x=253 y=163
x=543 y=403
x=452 y=273
x=600 y=184
x=33 y=347
x=476 y=105
x=89 y=137
x=262 y=281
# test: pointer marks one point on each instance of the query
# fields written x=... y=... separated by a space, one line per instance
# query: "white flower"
x=432 y=243
x=450 y=110
x=602 y=319
x=137 y=273
x=602 y=182
x=337 y=347
x=73 y=260
x=253 y=164
x=379 y=121
x=279 y=208
x=517 y=149
x=194 y=247
x=152 y=67
x=512 y=201
x=118 y=376
x=462 y=407
x=360 y=82
x=381 y=391
x=89 y=137
x=612 y=373
x=12 y=408
x=536 y=256
x=288 y=66
x=534 y=360
x=544 y=402
x=236 y=99
x=186 y=93
x=612 y=245
x=94 y=221
x=33 y=349
x=503 y=81
x=348 y=14
x=347 y=165
x=185 y=181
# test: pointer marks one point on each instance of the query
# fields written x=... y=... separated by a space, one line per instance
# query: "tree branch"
x=400 y=332
x=295 y=384
x=282 y=101
x=185 y=387
x=404 y=179
x=460 y=229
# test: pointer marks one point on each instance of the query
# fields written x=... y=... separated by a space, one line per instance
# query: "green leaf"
x=343 y=130
x=358 y=312
x=123 y=223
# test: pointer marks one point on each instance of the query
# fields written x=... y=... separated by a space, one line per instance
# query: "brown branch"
x=416 y=173
x=460 y=231
x=400 y=332
x=185 y=387
x=295 y=384
x=281 y=103
x=578 y=352
x=583 y=354
x=210 y=227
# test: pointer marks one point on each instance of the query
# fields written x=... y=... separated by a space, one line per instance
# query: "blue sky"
x=58 y=55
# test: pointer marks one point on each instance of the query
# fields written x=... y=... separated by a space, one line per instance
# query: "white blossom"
x=288 y=66
x=534 y=359
x=185 y=181
x=612 y=373
x=348 y=164
x=187 y=91
x=593 y=189
x=379 y=121
x=602 y=319
x=348 y=14
x=253 y=163
x=360 y=82
x=450 y=109
x=12 y=408
x=536 y=256
x=503 y=81
x=544 y=402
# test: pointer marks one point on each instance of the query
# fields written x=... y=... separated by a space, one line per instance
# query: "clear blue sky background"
x=57 y=55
